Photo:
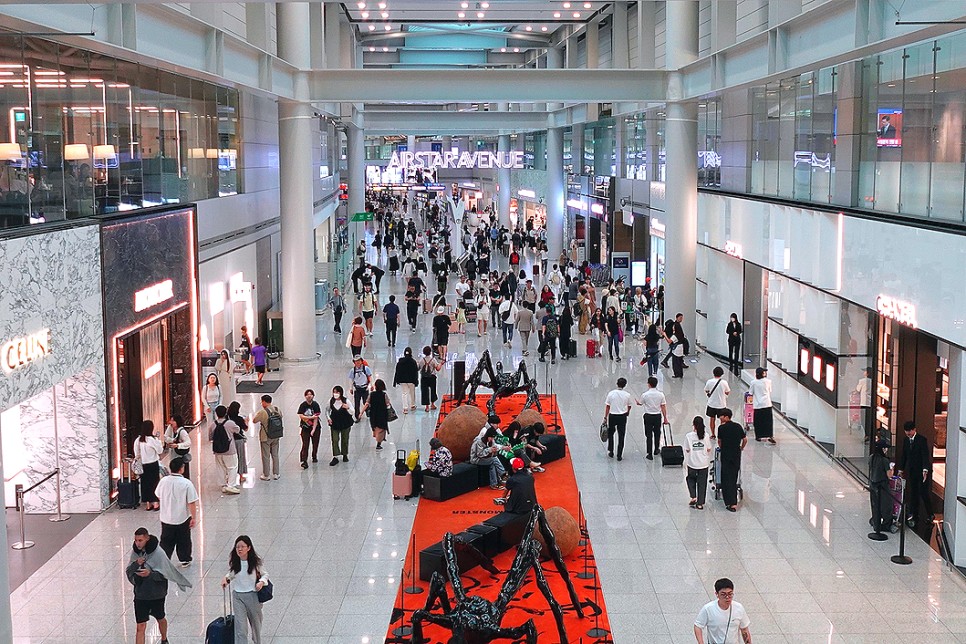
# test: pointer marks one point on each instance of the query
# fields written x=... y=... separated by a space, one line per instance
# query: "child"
x=461 y=315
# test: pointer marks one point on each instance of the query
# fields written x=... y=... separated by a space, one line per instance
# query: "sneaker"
x=264 y=478
x=185 y=564
x=553 y=362
x=539 y=469
x=305 y=465
x=315 y=460
x=276 y=477
x=378 y=446
x=542 y=359
x=334 y=461
x=231 y=489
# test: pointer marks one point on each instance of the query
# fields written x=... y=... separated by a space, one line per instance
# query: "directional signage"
x=363 y=216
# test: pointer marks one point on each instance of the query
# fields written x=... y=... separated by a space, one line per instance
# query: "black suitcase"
x=128 y=494
x=671 y=455
x=572 y=349
x=222 y=629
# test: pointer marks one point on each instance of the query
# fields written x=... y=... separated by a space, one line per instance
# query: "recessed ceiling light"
x=461 y=15
x=385 y=14
x=382 y=5
x=365 y=15
x=479 y=14
x=556 y=14
x=543 y=28
x=388 y=28
x=372 y=27
x=502 y=50
x=516 y=50
x=372 y=49
x=566 y=5
x=528 y=28
x=485 y=5
x=362 y=5
x=385 y=48
x=576 y=14
x=587 y=5
x=465 y=5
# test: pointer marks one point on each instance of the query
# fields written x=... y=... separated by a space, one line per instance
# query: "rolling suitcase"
x=572 y=349
x=591 y=348
x=402 y=477
x=222 y=629
x=671 y=455
x=128 y=490
x=273 y=360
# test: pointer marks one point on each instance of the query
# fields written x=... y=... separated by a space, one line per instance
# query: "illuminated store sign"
x=22 y=351
x=527 y=194
x=153 y=295
x=435 y=160
x=734 y=249
x=817 y=368
x=897 y=310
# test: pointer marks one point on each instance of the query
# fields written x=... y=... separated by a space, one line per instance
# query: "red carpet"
x=555 y=487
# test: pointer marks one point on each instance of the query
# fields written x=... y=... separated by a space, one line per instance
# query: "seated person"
x=516 y=446
x=440 y=459
x=484 y=452
x=520 y=495
x=531 y=436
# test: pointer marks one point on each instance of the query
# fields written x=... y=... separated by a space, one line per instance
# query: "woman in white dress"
x=224 y=369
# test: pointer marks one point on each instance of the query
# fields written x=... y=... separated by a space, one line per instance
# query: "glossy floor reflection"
x=333 y=538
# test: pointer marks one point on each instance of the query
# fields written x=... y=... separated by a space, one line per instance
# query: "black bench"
x=556 y=445
x=431 y=559
x=510 y=528
x=442 y=488
x=489 y=544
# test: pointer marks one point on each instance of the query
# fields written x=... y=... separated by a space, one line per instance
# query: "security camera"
x=624 y=201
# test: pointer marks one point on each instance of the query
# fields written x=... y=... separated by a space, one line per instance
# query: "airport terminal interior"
x=520 y=320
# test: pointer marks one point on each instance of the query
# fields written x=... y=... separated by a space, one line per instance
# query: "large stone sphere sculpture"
x=459 y=429
x=530 y=416
x=565 y=530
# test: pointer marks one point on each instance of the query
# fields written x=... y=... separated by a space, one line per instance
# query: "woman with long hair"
x=246 y=576
x=697 y=458
x=612 y=328
x=378 y=406
x=407 y=375
x=148 y=449
x=652 y=349
x=224 y=369
x=241 y=440
x=341 y=418
x=211 y=396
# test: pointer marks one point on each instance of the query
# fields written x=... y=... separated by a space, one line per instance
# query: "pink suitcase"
x=402 y=484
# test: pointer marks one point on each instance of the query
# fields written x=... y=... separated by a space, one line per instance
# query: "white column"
x=577 y=147
x=681 y=140
x=555 y=191
x=333 y=35
x=503 y=181
x=554 y=61
x=620 y=56
x=447 y=143
x=6 y=619
x=356 y=154
x=411 y=143
x=592 y=47
x=295 y=121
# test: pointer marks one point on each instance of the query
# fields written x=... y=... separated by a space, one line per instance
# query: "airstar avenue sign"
x=434 y=160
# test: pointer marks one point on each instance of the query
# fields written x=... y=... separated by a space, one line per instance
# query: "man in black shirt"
x=390 y=313
x=520 y=496
x=308 y=413
x=916 y=466
x=731 y=441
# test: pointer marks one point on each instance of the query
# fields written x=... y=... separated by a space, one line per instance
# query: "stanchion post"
x=585 y=573
x=597 y=631
x=901 y=558
x=413 y=589
x=23 y=544
x=403 y=629
x=581 y=522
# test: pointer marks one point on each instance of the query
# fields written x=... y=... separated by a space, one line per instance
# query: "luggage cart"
x=897 y=488
x=716 y=477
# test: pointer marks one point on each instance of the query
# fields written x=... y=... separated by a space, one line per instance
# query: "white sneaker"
x=263 y=478
x=276 y=477
x=229 y=489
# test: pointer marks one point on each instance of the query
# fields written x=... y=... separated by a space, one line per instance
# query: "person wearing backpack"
x=428 y=367
x=223 y=447
x=551 y=331
x=269 y=420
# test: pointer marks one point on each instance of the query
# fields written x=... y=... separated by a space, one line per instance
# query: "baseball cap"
x=357 y=357
x=517 y=464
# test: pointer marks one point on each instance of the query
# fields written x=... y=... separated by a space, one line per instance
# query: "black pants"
x=881 y=499
x=337 y=314
x=734 y=356
x=427 y=387
x=697 y=484
x=616 y=423
x=391 y=333
x=652 y=431
x=550 y=344
x=307 y=437
x=916 y=489
x=729 y=480
x=359 y=395
x=412 y=313
x=177 y=536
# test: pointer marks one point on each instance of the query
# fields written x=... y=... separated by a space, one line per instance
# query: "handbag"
x=266 y=593
x=391 y=414
x=604 y=432
x=137 y=467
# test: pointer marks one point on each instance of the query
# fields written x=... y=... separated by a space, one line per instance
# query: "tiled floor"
x=333 y=538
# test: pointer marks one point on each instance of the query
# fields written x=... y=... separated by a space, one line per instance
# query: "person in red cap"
x=520 y=495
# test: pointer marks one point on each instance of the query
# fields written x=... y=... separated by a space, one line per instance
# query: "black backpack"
x=220 y=439
x=273 y=428
x=552 y=329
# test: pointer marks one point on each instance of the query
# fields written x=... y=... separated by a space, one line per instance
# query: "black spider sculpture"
x=475 y=620
x=502 y=383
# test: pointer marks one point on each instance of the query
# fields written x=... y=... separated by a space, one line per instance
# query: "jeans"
x=248 y=613
x=653 y=358
x=496 y=468
x=652 y=430
x=616 y=423
x=494 y=314
x=507 y=332
x=309 y=437
x=229 y=466
x=697 y=484
x=360 y=396
x=613 y=345
x=270 y=456
x=177 y=536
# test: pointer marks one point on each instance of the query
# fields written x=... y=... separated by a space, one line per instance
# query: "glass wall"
x=709 y=143
x=643 y=146
x=88 y=134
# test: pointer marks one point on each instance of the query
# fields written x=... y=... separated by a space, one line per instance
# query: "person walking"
x=615 y=334
x=722 y=620
x=428 y=368
x=378 y=407
x=697 y=458
x=211 y=396
x=616 y=408
x=339 y=416
x=482 y=312
x=259 y=360
x=240 y=437
x=149 y=570
x=360 y=379
x=367 y=306
x=717 y=390
x=177 y=439
x=508 y=312
x=407 y=376
x=357 y=336
x=731 y=442
x=763 y=419
x=337 y=302
x=269 y=420
x=224 y=370
x=246 y=576
x=550 y=327
x=412 y=307
x=916 y=466
x=308 y=413
x=655 y=412
x=390 y=315
x=148 y=449
x=566 y=320
x=222 y=440
x=246 y=346
x=734 y=331
x=441 y=324
x=524 y=326
x=179 y=512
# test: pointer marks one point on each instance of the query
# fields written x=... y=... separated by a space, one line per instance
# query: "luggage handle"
x=400 y=455
x=668 y=437
x=224 y=598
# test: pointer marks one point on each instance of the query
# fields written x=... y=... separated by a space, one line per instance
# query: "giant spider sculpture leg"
x=551 y=540
x=527 y=630
x=437 y=591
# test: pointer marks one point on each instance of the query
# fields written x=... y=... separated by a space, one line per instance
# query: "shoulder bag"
x=391 y=414
x=266 y=593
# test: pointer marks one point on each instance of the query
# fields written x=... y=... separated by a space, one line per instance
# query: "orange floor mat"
x=555 y=487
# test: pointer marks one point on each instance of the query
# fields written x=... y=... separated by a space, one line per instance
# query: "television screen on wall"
x=888 y=133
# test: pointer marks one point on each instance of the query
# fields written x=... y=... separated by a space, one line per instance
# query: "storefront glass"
x=90 y=134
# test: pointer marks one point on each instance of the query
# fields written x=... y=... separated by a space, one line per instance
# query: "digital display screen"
x=888 y=133
x=638 y=273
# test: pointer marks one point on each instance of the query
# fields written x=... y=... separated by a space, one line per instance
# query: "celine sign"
x=434 y=160
x=901 y=312
x=21 y=351
x=153 y=295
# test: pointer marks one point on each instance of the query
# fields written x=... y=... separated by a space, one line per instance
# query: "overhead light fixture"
x=11 y=151
x=587 y=5
x=461 y=15
x=516 y=50
x=362 y=5
x=382 y=5
x=76 y=152
x=543 y=28
x=372 y=27
x=485 y=5
x=385 y=14
x=556 y=14
x=365 y=15
x=372 y=49
x=502 y=50
x=388 y=27
x=385 y=48
x=528 y=28
x=576 y=14
x=479 y=14
x=465 y=5
x=566 y=5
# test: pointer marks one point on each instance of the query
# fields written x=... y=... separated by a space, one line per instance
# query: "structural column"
x=681 y=139
x=356 y=153
x=295 y=134
x=619 y=48
x=555 y=192
x=554 y=61
x=503 y=174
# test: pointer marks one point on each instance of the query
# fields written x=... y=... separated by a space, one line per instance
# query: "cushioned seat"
x=489 y=544
x=556 y=445
x=482 y=475
x=510 y=527
x=431 y=559
x=442 y=488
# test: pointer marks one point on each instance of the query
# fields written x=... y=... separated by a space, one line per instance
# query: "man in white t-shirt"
x=461 y=287
x=616 y=408
x=717 y=390
x=655 y=410
x=179 y=507
x=722 y=620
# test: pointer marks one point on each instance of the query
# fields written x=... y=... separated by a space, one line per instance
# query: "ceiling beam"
x=484 y=85
x=430 y=122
